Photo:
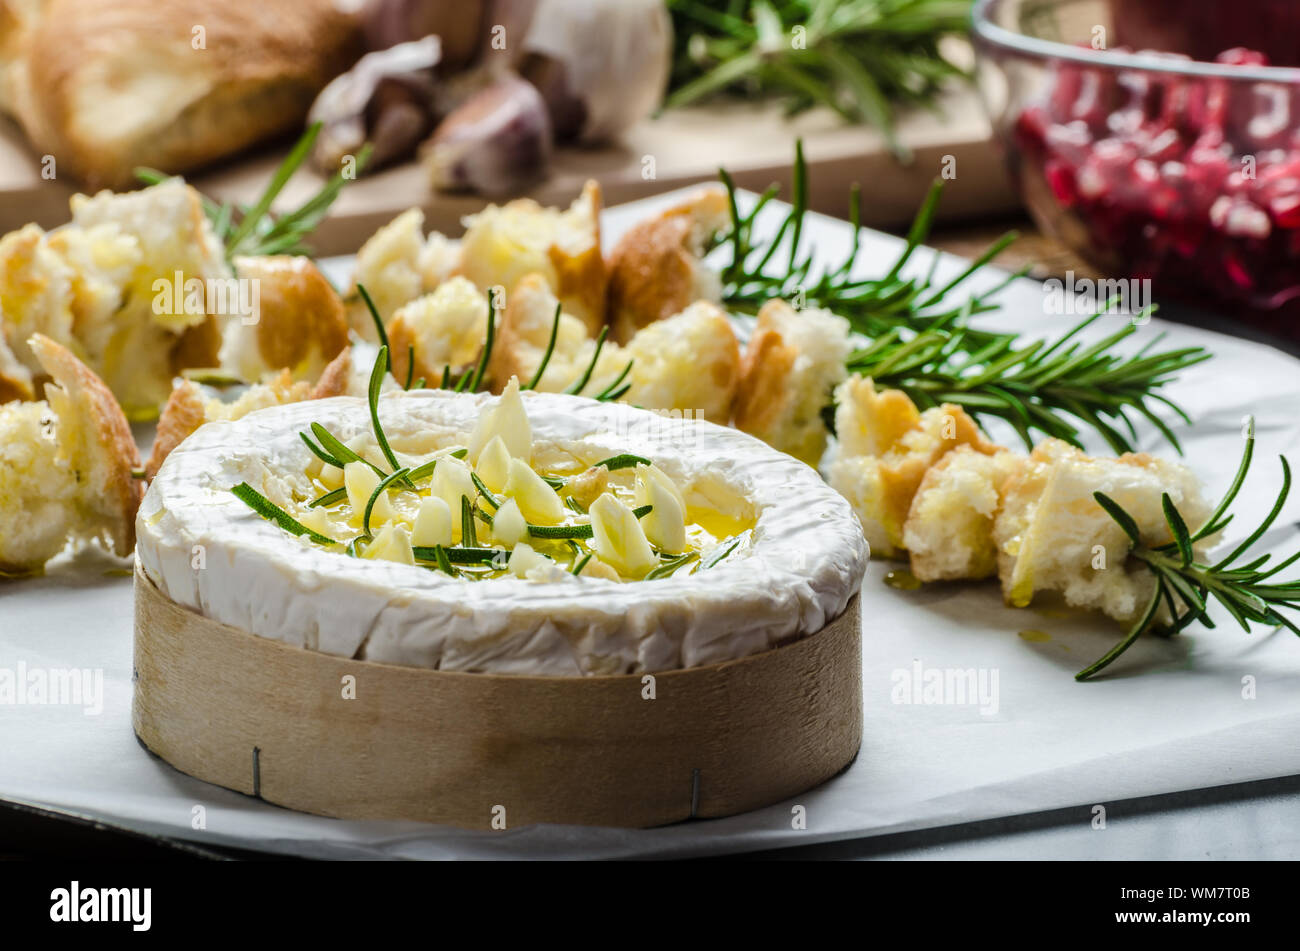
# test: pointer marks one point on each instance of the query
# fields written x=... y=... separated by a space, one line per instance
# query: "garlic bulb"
x=495 y=143
x=601 y=65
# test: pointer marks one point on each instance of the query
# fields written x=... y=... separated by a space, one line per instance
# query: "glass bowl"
x=1150 y=164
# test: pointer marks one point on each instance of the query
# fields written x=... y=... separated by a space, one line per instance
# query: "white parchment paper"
x=1171 y=715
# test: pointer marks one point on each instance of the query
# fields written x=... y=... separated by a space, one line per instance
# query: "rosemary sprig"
x=577 y=531
x=257 y=231
x=463 y=555
x=273 y=513
x=669 y=567
x=374 y=497
x=1186 y=585
x=857 y=58
x=624 y=460
x=918 y=336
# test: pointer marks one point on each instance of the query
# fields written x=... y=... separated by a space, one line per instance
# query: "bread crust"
x=334 y=378
x=654 y=270
x=760 y=391
x=300 y=312
x=112 y=434
x=106 y=87
x=182 y=415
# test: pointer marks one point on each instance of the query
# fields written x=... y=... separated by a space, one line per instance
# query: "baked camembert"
x=524 y=533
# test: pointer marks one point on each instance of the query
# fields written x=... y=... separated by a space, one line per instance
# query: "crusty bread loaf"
x=300 y=325
x=1052 y=535
x=791 y=365
x=504 y=243
x=106 y=87
x=895 y=447
x=655 y=270
x=67 y=466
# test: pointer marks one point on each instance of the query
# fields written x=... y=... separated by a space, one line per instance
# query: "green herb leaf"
x=273 y=513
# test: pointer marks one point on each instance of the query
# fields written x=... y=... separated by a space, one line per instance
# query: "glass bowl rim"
x=1019 y=44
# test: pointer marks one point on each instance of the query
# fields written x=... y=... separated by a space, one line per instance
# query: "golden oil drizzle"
x=903 y=580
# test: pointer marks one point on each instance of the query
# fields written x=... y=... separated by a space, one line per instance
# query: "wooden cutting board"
x=755 y=142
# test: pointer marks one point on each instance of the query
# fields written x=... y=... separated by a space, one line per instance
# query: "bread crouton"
x=67 y=466
x=793 y=362
x=524 y=332
x=504 y=243
x=188 y=408
x=396 y=265
x=656 y=271
x=1052 y=535
x=949 y=529
x=300 y=323
x=898 y=446
x=444 y=329
x=690 y=361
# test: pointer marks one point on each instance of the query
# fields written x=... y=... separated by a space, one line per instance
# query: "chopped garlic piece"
x=666 y=523
x=432 y=523
x=451 y=482
x=595 y=568
x=540 y=503
x=360 y=481
x=523 y=557
x=508 y=524
x=331 y=476
x=391 y=544
x=494 y=464
x=618 y=537
x=508 y=420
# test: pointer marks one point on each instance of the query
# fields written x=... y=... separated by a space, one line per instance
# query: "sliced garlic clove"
x=523 y=558
x=432 y=523
x=619 y=539
x=494 y=464
x=507 y=419
x=595 y=568
x=331 y=476
x=451 y=482
x=508 y=524
x=360 y=481
x=391 y=544
x=666 y=523
x=537 y=500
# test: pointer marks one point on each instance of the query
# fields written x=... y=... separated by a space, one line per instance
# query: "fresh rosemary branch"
x=1240 y=581
x=257 y=231
x=856 y=57
x=919 y=338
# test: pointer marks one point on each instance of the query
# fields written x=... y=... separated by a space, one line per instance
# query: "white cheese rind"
x=207 y=550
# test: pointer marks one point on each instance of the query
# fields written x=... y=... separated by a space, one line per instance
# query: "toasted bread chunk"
x=443 y=329
x=1052 y=535
x=396 y=265
x=949 y=529
x=15 y=379
x=690 y=362
x=656 y=271
x=793 y=362
x=898 y=446
x=35 y=296
x=66 y=466
x=300 y=324
x=524 y=332
x=188 y=408
x=504 y=243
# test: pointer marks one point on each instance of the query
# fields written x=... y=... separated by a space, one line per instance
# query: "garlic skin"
x=386 y=99
x=602 y=65
x=498 y=141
